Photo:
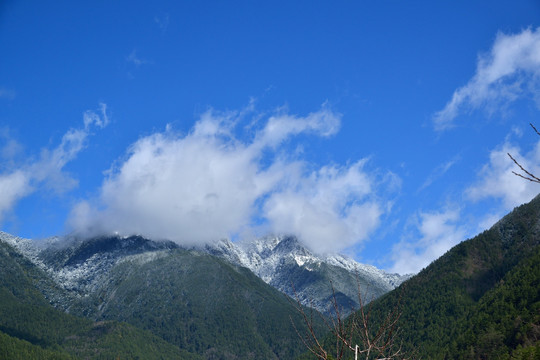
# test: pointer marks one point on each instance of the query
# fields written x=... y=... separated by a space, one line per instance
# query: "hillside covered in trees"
x=481 y=300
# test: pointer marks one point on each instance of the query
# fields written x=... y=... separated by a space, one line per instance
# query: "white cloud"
x=13 y=187
x=498 y=181
x=22 y=179
x=331 y=208
x=209 y=184
x=509 y=71
x=92 y=118
x=438 y=172
x=279 y=128
x=438 y=232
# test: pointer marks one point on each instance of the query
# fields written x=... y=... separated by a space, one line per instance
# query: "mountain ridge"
x=80 y=265
x=283 y=262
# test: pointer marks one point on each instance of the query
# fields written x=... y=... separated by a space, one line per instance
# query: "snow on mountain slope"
x=283 y=262
x=80 y=266
x=263 y=256
x=25 y=246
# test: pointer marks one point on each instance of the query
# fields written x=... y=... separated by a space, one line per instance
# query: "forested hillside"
x=30 y=328
x=481 y=300
x=134 y=298
x=199 y=303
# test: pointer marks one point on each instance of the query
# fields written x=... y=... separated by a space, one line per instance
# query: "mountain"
x=280 y=261
x=30 y=328
x=187 y=298
x=287 y=265
x=199 y=303
x=140 y=298
x=225 y=301
x=481 y=300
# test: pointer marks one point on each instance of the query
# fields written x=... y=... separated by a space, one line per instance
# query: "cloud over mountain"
x=211 y=183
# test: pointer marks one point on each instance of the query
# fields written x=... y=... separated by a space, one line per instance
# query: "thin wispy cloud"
x=20 y=179
x=209 y=184
x=510 y=70
x=438 y=172
x=162 y=21
x=98 y=119
x=136 y=60
x=7 y=94
x=435 y=232
x=10 y=150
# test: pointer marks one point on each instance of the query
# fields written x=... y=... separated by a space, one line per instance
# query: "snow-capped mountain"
x=283 y=262
x=80 y=267
x=202 y=306
x=26 y=247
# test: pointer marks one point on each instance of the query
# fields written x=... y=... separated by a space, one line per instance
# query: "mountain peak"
x=283 y=262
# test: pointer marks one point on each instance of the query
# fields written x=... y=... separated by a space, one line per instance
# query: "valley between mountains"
x=130 y=297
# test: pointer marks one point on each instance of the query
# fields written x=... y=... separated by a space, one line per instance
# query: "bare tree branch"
x=534 y=129
x=529 y=176
x=310 y=340
x=372 y=345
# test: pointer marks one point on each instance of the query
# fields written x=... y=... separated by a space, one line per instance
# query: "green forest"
x=481 y=300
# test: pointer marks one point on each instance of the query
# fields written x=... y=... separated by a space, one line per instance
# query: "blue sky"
x=375 y=128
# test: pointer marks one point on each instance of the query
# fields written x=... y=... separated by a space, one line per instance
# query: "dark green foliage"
x=30 y=328
x=508 y=316
x=202 y=304
x=481 y=299
x=16 y=349
x=113 y=340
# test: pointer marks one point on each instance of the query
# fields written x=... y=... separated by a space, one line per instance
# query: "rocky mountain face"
x=287 y=265
x=80 y=267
